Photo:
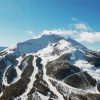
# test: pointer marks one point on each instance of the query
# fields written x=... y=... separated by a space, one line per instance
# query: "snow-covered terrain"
x=50 y=67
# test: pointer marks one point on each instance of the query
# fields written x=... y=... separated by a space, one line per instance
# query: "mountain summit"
x=34 y=45
x=50 y=67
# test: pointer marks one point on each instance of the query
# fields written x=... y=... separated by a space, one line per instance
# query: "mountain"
x=50 y=67
x=2 y=48
x=34 y=45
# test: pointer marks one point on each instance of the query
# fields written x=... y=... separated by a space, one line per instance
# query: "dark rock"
x=10 y=74
x=60 y=68
x=81 y=80
x=29 y=68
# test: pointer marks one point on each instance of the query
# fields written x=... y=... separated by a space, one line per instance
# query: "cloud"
x=74 y=19
x=30 y=32
x=90 y=37
x=81 y=26
x=61 y=32
x=81 y=36
x=98 y=50
x=4 y=42
x=80 y=31
x=33 y=36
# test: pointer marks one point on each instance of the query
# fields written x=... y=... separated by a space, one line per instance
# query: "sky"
x=21 y=20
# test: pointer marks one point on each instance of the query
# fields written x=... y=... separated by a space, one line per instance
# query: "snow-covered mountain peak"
x=33 y=45
x=39 y=43
x=54 y=41
x=56 y=49
x=49 y=67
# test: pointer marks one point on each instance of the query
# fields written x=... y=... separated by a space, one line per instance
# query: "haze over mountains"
x=50 y=67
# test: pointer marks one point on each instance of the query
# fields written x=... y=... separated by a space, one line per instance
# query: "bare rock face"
x=60 y=68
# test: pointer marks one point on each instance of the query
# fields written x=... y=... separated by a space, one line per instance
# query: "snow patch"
x=43 y=97
x=83 y=64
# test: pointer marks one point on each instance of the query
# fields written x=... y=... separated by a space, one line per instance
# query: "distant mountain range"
x=2 y=48
x=50 y=67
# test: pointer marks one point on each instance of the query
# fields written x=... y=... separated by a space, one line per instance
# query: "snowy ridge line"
x=32 y=79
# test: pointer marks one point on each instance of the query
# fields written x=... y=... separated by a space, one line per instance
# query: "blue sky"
x=20 y=18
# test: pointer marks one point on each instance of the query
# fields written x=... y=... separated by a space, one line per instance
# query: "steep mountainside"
x=49 y=68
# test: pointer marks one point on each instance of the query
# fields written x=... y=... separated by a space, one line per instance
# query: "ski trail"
x=1 y=93
x=32 y=79
x=18 y=71
x=4 y=82
x=45 y=77
x=43 y=97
